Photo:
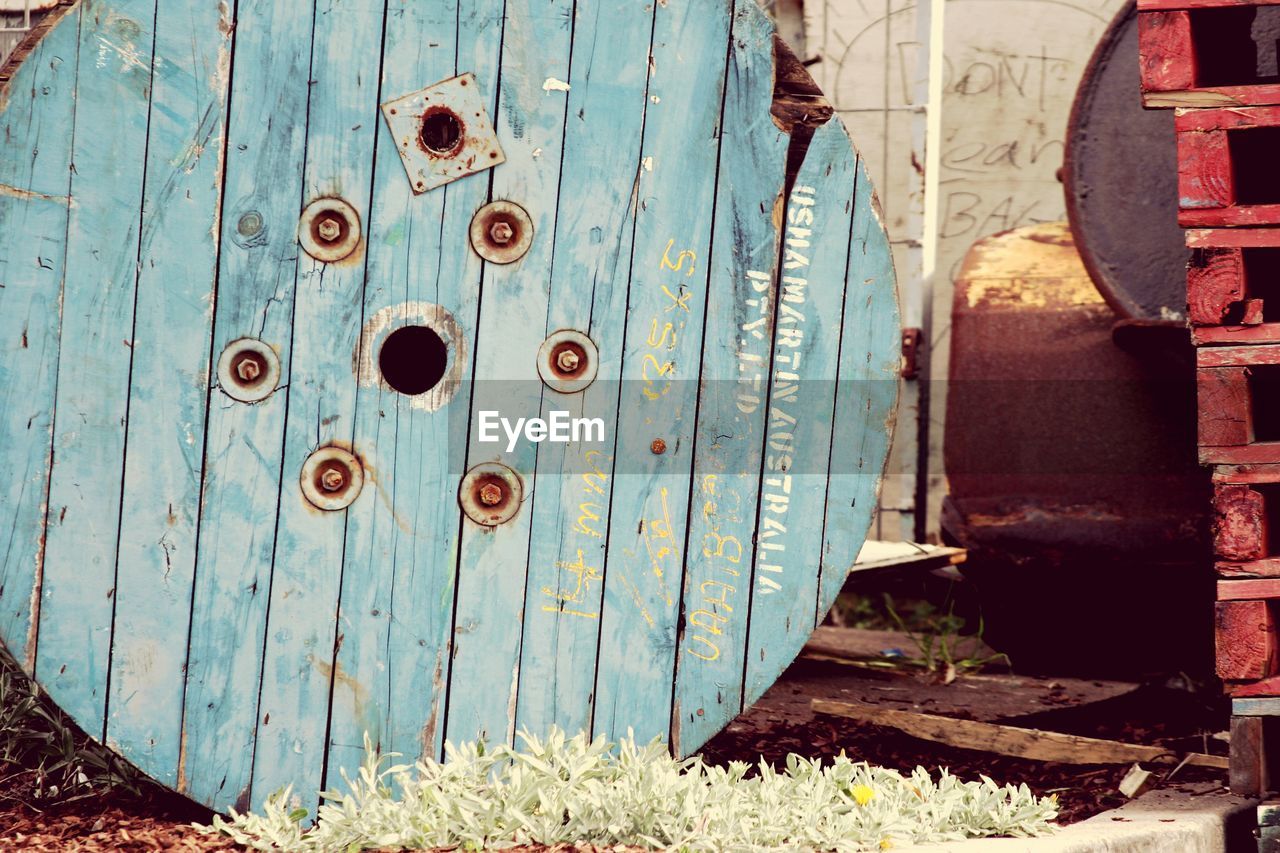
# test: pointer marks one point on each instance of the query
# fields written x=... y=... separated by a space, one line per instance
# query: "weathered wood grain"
x=230 y=638
x=385 y=534
x=1245 y=633
x=608 y=79
x=802 y=401
x=1166 y=54
x=1223 y=406
x=36 y=174
x=1215 y=283
x=1242 y=590
x=866 y=394
x=168 y=391
x=302 y=637
x=257 y=262
x=734 y=391
x=1206 y=178
x=1239 y=523
x=93 y=369
x=493 y=562
x=666 y=308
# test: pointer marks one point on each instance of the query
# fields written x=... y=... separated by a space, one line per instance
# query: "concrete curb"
x=1193 y=818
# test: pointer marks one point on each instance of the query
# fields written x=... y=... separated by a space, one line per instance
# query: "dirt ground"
x=780 y=723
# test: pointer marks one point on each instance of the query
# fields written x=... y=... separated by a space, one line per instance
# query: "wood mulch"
x=778 y=724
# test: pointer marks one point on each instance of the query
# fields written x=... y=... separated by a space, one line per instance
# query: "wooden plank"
x=1246 y=639
x=493 y=562
x=647 y=523
x=1256 y=707
x=1266 y=687
x=868 y=383
x=1262 y=452
x=1215 y=284
x=1240 y=590
x=1206 y=176
x=816 y=282
x=93 y=370
x=299 y=656
x=1247 y=775
x=414 y=721
x=607 y=99
x=1223 y=404
x=256 y=276
x=1266 y=568
x=1264 y=333
x=1034 y=744
x=733 y=399
x=164 y=442
x=1256 y=474
x=1237 y=356
x=1213 y=97
x=1250 y=215
x=1201 y=4
x=385 y=536
x=1166 y=55
x=1209 y=121
x=1226 y=238
x=1239 y=523
x=38 y=169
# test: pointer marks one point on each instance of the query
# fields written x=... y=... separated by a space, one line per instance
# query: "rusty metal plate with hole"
x=303 y=452
x=443 y=133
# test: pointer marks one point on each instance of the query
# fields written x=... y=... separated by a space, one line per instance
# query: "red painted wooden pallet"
x=1202 y=55
x=1239 y=418
x=1225 y=177
x=1233 y=286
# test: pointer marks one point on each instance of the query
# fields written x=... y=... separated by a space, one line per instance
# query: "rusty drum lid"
x=425 y=369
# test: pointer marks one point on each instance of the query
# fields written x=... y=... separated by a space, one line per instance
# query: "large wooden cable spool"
x=263 y=267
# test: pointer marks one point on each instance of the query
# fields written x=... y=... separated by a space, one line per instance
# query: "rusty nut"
x=502 y=233
x=490 y=494
x=329 y=229
x=658 y=447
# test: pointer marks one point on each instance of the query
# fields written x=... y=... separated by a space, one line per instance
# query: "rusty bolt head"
x=658 y=447
x=332 y=480
x=501 y=233
x=248 y=370
x=490 y=494
x=568 y=361
x=329 y=229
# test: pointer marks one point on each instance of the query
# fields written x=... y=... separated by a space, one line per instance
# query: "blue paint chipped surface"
x=160 y=570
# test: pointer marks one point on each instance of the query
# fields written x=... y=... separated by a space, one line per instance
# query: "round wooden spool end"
x=261 y=280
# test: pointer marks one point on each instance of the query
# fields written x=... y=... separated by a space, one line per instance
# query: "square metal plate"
x=443 y=133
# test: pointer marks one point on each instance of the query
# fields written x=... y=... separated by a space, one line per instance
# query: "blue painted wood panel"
x=492 y=564
x=733 y=402
x=665 y=311
x=589 y=281
x=35 y=173
x=866 y=393
x=229 y=637
x=98 y=298
x=801 y=401
x=298 y=671
x=168 y=392
x=257 y=261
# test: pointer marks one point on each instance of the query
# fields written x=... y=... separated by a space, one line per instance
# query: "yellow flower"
x=885 y=843
x=863 y=794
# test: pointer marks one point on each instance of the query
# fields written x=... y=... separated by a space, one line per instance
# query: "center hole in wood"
x=413 y=359
x=441 y=132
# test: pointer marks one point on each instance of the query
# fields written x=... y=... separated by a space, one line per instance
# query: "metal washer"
x=238 y=388
x=329 y=459
x=312 y=221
